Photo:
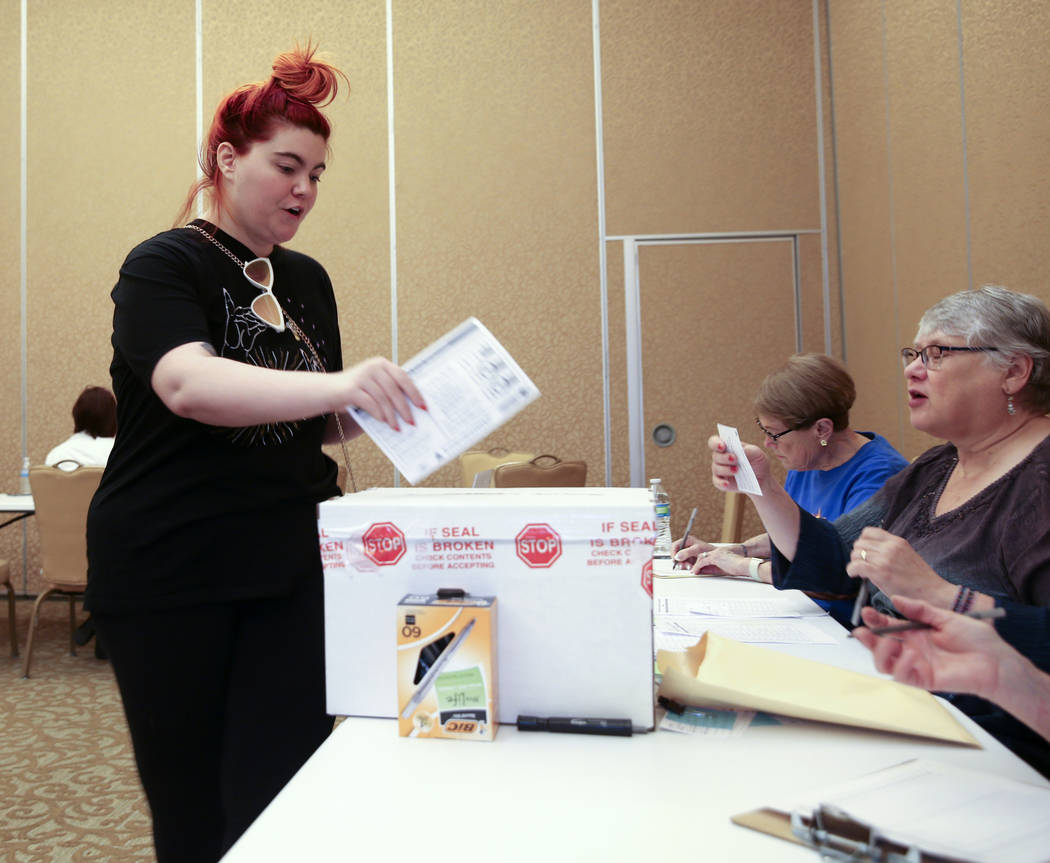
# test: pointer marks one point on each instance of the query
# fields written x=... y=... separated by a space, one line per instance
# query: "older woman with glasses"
x=803 y=411
x=963 y=527
x=204 y=571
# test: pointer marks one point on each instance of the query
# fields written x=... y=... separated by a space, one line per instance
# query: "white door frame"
x=633 y=317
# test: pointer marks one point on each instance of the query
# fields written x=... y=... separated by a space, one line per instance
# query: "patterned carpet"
x=68 y=786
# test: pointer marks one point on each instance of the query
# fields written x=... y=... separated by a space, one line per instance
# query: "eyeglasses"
x=265 y=306
x=773 y=436
x=933 y=354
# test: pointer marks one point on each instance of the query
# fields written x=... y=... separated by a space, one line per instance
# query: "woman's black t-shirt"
x=187 y=512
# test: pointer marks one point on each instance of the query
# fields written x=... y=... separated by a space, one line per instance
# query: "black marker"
x=573 y=725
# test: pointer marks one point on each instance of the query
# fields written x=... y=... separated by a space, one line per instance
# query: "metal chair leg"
x=32 y=631
x=12 y=618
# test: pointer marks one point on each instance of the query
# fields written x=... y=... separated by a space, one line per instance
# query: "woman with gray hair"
x=964 y=526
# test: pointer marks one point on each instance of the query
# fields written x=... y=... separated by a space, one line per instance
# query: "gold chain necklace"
x=301 y=337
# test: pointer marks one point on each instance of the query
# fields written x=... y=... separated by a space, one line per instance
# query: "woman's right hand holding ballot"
x=778 y=511
x=383 y=390
x=724 y=465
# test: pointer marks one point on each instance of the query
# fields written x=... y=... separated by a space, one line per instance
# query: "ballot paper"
x=746 y=481
x=471 y=387
x=756 y=631
x=671 y=641
x=786 y=603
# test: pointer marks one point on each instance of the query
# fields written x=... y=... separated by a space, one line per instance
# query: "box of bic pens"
x=446 y=665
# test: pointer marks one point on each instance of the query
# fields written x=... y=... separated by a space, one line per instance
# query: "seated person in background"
x=964 y=526
x=803 y=410
x=959 y=654
x=94 y=427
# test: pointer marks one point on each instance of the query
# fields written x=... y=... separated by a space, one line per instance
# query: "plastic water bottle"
x=662 y=506
x=23 y=478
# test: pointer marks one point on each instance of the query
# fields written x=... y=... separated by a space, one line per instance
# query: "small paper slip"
x=745 y=476
x=790 y=603
x=711 y=723
x=471 y=386
x=758 y=631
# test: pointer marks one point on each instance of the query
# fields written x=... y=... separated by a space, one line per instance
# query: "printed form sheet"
x=471 y=386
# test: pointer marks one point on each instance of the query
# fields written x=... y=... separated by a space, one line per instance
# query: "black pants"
x=224 y=702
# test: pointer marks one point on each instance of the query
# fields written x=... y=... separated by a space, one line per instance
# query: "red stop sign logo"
x=538 y=545
x=384 y=543
x=647 y=577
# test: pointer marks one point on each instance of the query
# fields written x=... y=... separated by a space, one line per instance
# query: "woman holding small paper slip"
x=952 y=652
x=963 y=527
x=803 y=410
x=204 y=571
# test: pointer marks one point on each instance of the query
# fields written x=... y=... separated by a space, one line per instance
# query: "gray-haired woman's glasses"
x=933 y=354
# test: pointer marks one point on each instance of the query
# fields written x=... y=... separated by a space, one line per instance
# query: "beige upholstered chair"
x=733 y=517
x=5 y=580
x=544 y=471
x=474 y=462
x=61 y=498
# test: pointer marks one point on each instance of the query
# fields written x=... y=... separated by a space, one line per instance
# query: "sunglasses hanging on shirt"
x=265 y=306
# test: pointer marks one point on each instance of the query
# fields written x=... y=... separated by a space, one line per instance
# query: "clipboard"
x=918 y=811
x=836 y=836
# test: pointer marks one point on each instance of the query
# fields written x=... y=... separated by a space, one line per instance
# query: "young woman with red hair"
x=204 y=573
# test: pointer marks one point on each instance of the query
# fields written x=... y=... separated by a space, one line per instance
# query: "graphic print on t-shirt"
x=243 y=329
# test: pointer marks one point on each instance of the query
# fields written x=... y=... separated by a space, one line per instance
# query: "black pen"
x=575 y=725
x=685 y=536
x=860 y=602
x=909 y=625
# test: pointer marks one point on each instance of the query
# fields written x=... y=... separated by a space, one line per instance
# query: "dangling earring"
x=823 y=442
x=1010 y=409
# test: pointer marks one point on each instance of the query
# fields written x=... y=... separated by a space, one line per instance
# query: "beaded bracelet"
x=963 y=600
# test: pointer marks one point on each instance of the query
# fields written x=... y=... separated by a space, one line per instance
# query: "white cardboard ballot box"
x=571 y=568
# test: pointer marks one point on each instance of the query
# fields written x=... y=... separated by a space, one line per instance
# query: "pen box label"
x=446 y=674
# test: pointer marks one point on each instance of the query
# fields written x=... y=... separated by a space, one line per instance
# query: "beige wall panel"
x=1008 y=142
x=872 y=325
x=618 y=405
x=496 y=202
x=709 y=116
x=723 y=292
x=928 y=175
x=110 y=135
x=10 y=282
x=348 y=230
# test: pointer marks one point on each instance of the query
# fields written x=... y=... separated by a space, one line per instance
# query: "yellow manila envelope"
x=722 y=673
